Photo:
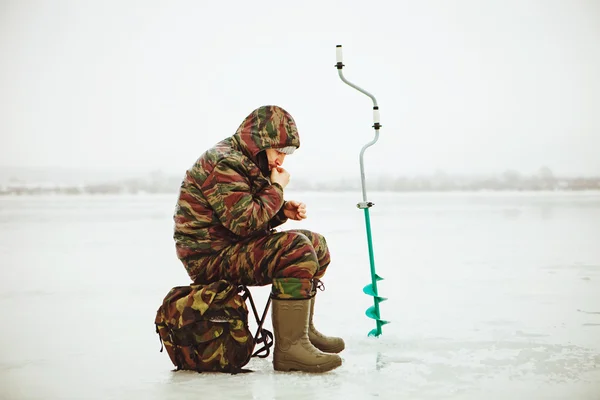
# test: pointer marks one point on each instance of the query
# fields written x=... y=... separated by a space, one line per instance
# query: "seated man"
x=230 y=201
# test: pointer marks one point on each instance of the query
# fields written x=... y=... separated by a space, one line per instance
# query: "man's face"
x=275 y=158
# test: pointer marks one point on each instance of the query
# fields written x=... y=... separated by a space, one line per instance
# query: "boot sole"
x=289 y=366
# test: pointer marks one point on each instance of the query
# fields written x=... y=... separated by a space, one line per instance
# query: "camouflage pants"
x=289 y=260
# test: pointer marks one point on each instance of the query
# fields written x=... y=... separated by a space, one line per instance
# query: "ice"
x=491 y=296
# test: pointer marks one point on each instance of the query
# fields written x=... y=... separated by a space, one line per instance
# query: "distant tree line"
x=510 y=180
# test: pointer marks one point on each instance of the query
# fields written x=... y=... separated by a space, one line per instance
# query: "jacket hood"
x=267 y=127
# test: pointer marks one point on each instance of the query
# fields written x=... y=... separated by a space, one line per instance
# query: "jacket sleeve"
x=228 y=191
x=278 y=219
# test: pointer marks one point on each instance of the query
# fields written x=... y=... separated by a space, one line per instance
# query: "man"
x=229 y=204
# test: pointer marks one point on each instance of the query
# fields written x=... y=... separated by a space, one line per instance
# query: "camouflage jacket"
x=225 y=196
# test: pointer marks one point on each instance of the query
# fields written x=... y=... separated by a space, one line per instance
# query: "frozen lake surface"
x=491 y=296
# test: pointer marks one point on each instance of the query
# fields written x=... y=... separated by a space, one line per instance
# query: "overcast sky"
x=463 y=86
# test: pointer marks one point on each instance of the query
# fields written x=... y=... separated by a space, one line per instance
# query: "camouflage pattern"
x=228 y=208
x=225 y=197
x=289 y=260
x=205 y=328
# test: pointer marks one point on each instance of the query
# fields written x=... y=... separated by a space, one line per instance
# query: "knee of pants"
x=323 y=248
x=299 y=259
x=316 y=238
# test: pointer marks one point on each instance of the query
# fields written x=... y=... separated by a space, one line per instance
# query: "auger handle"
x=376 y=117
x=338 y=55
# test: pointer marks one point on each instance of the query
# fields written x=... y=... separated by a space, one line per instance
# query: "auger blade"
x=372 y=313
x=375 y=332
x=378 y=278
x=369 y=290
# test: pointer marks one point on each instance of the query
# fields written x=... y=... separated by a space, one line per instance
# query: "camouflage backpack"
x=205 y=328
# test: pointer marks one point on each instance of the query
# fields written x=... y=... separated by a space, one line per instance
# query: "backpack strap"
x=262 y=336
x=159 y=338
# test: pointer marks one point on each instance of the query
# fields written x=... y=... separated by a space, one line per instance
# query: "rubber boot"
x=327 y=344
x=293 y=350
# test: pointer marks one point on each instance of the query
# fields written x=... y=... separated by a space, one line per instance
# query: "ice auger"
x=370 y=289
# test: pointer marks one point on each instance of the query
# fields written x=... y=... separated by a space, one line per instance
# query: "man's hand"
x=294 y=210
x=281 y=176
